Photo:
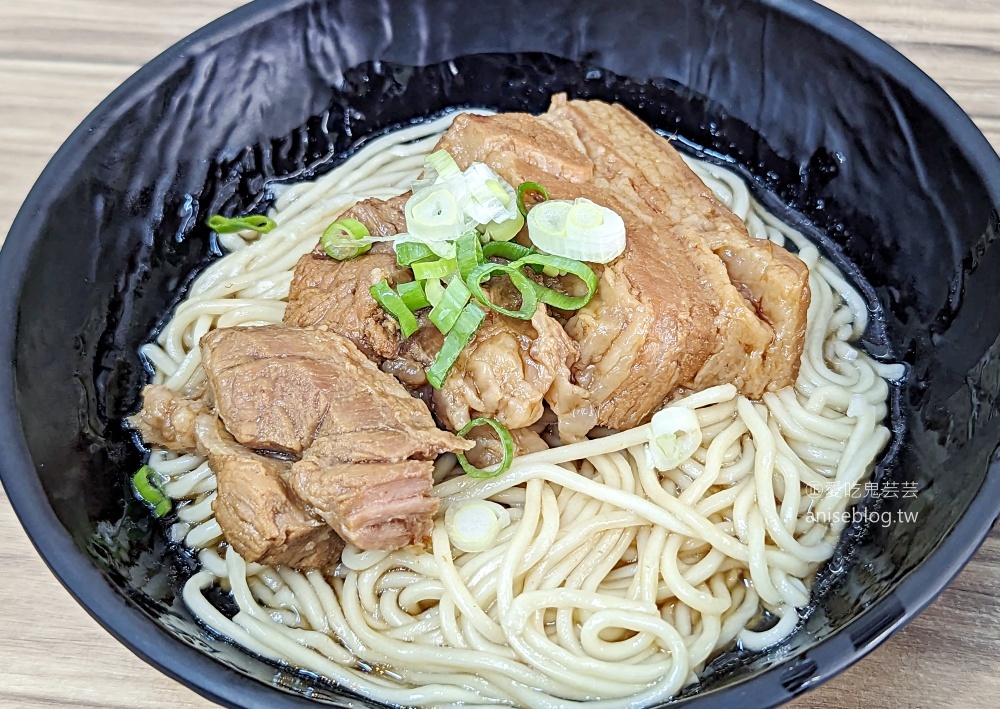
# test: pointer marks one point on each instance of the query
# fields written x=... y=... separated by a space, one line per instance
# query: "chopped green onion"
x=439 y=268
x=445 y=314
x=231 y=225
x=147 y=486
x=413 y=296
x=448 y=199
x=506 y=230
x=390 y=301
x=674 y=436
x=547 y=225
x=585 y=215
x=409 y=252
x=506 y=440
x=499 y=190
x=339 y=239
x=454 y=342
x=578 y=230
x=553 y=297
x=434 y=290
x=474 y=525
x=524 y=285
x=505 y=249
x=486 y=196
x=469 y=253
x=530 y=188
x=433 y=214
x=441 y=163
x=442 y=249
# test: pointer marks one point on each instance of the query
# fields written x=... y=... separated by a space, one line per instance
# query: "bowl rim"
x=226 y=686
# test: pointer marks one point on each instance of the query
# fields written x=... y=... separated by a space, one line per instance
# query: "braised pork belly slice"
x=543 y=142
x=260 y=516
x=508 y=371
x=167 y=419
x=636 y=162
x=651 y=322
x=668 y=312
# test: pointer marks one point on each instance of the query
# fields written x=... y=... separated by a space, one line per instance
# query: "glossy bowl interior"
x=837 y=131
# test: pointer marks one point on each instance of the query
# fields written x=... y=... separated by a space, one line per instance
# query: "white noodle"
x=616 y=583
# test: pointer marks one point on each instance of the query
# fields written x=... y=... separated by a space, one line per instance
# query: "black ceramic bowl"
x=824 y=118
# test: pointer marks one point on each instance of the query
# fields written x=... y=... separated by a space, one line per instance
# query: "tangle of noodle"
x=613 y=583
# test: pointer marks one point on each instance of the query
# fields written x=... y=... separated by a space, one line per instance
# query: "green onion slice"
x=445 y=314
x=340 y=239
x=231 y=225
x=508 y=250
x=505 y=249
x=578 y=230
x=433 y=214
x=147 y=486
x=547 y=225
x=524 y=285
x=433 y=290
x=560 y=264
x=390 y=301
x=439 y=268
x=532 y=188
x=469 y=253
x=506 y=230
x=409 y=252
x=468 y=323
x=441 y=163
x=474 y=525
x=413 y=296
x=486 y=196
x=499 y=190
x=506 y=440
